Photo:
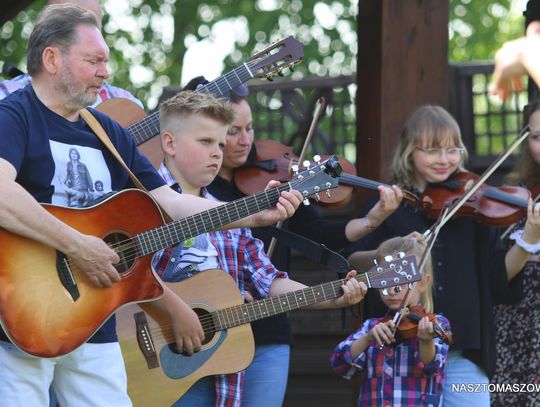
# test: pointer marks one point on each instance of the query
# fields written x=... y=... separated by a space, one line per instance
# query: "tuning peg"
x=294 y=168
x=397 y=289
x=269 y=77
x=400 y=255
x=291 y=68
x=384 y=291
x=306 y=202
x=387 y=258
x=306 y=164
x=317 y=158
x=375 y=262
x=328 y=194
x=280 y=73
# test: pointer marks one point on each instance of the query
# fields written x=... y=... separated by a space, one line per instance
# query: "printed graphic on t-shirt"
x=188 y=258
x=81 y=175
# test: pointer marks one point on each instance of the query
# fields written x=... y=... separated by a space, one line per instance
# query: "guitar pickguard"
x=177 y=366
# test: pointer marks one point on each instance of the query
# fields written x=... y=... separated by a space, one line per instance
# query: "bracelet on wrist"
x=532 y=248
x=367 y=225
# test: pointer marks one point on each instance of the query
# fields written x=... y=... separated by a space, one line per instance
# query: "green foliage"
x=145 y=57
x=149 y=38
x=479 y=27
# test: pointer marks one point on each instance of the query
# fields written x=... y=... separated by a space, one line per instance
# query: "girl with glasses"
x=472 y=269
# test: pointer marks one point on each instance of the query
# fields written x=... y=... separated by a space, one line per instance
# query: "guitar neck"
x=245 y=313
x=145 y=129
x=213 y=219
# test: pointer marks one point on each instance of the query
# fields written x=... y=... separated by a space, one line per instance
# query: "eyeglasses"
x=438 y=152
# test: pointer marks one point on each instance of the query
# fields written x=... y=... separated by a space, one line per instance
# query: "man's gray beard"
x=74 y=100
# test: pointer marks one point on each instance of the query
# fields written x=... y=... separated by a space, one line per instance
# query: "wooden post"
x=402 y=64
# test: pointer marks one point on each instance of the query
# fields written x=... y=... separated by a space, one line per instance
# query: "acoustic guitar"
x=273 y=59
x=158 y=374
x=48 y=308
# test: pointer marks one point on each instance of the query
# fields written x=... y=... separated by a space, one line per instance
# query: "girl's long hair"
x=428 y=126
x=526 y=171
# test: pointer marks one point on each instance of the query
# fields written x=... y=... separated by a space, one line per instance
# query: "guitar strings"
x=251 y=204
x=152 y=120
x=208 y=322
x=242 y=206
x=129 y=249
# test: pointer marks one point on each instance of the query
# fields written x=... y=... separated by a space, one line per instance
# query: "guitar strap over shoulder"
x=102 y=135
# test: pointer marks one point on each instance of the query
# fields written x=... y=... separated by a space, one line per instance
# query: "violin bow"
x=481 y=180
x=317 y=112
x=430 y=241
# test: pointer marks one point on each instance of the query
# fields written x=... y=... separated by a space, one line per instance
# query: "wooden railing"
x=283 y=111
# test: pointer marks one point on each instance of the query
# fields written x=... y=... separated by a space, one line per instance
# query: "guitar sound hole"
x=207 y=323
x=125 y=248
x=208 y=326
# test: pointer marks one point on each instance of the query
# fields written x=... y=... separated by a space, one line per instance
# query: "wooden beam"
x=402 y=64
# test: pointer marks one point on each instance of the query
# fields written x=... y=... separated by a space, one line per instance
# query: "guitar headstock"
x=319 y=178
x=394 y=271
x=275 y=58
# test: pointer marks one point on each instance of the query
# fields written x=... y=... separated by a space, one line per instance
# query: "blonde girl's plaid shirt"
x=242 y=257
x=394 y=375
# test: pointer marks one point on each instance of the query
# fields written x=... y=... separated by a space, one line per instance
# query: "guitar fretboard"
x=245 y=313
x=148 y=127
x=213 y=219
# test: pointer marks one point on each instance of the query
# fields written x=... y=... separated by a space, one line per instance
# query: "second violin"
x=496 y=206
x=270 y=160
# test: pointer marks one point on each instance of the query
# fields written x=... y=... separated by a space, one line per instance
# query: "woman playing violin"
x=472 y=269
x=409 y=372
x=266 y=377
x=517 y=326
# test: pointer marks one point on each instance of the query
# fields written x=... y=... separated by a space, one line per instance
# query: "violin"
x=408 y=325
x=275 y=161
x=496 y=206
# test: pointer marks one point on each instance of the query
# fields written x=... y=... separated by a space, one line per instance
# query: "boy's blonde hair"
x=428 y=126
x=415 y=247
x=188 y=103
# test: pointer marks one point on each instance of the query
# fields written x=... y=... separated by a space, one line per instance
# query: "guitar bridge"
x=144 y=338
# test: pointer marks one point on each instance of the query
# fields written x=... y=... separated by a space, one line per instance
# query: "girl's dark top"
x=469 y=277
x=306 y=222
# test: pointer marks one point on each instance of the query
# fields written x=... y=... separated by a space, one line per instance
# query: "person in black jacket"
x=273 y=335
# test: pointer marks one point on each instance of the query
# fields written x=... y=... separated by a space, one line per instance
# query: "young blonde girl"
x=405 y=373
x=472 y=269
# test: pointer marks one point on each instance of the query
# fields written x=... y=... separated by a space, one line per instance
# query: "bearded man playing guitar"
x=67 y=58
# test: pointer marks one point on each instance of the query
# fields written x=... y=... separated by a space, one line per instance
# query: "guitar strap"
x=317 y=252
x=102 y=135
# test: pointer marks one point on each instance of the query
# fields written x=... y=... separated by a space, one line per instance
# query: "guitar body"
x=126 y=112
x=227 y=351
x=38 y=313
x=158 y=375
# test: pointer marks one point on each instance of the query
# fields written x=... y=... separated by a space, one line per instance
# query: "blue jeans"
x=201 y=394
x=266 y=378
x=459 y=371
